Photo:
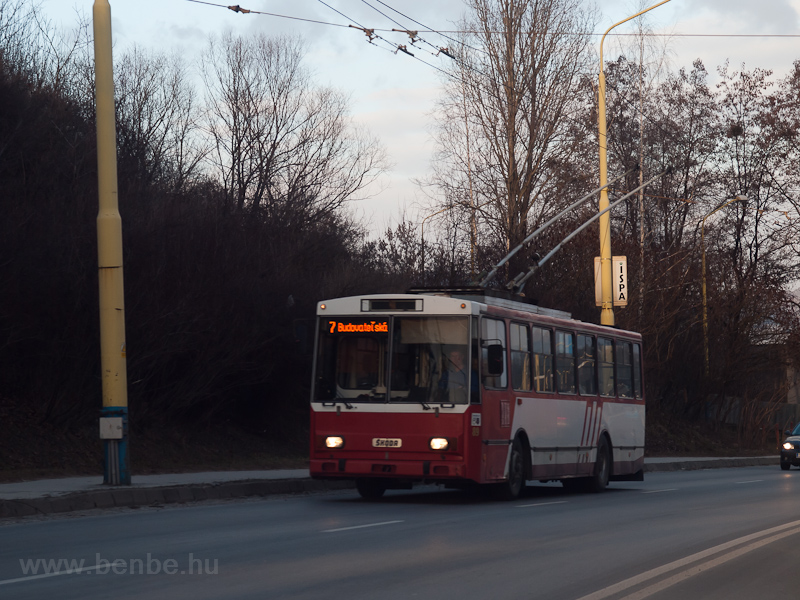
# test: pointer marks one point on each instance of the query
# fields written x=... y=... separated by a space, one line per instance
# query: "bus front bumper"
x=413 y=470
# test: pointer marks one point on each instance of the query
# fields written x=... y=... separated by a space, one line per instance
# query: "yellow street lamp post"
x=705 y=305
x=114 y=416
x=607 y=310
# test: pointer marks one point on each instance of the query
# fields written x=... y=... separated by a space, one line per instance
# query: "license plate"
x=798 y=455
x=386 y=442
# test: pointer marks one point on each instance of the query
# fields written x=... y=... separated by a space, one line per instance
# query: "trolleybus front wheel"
x=370 y=489
x=513 y=486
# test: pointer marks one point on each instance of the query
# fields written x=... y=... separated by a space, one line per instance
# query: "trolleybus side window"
x=587 y=363
x=624 y=370
x=542 y=360
x=520 y=358
x=565 y=362
x=493 y=332
x=637 y=371
x=605 y=355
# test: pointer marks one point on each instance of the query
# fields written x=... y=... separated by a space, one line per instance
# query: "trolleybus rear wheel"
x=602 y=467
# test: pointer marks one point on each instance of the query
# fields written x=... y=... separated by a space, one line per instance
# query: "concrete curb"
x=137 y=497
x=180 y=494
x=711 y=463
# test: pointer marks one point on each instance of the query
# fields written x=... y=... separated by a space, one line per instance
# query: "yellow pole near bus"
x=114 y=415
x=607 y=306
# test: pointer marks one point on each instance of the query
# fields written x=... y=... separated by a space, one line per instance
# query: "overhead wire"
x=239 y=9
x=426 y=29
x=444 y=32
x=414 y=35
x=371 y=33
x=382 y=13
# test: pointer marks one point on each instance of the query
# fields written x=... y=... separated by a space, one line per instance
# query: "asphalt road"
x=723 y=533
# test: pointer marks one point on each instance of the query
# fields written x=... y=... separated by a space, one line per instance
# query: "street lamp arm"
x=625 y=21
x=720 y=207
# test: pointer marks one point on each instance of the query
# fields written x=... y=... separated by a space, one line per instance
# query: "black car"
x=790 y=452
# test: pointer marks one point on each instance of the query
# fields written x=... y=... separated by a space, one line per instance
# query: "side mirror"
x=495 y=359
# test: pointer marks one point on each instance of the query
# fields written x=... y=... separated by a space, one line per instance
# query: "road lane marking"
x=752 y=481
x=697 y=569
x=56 y=574
x=541 y=504
x=361 y=526
x=683 y=562
x=659 y=491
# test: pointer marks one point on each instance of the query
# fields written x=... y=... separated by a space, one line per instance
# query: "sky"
x=393 y=94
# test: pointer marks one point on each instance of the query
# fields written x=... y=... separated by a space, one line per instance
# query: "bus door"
x=496 y=399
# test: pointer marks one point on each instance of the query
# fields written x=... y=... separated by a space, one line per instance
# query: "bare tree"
x=280 y=144
x=157 y=117
x=512 y=86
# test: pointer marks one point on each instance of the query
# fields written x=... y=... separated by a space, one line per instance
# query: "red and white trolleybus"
x=459 y=386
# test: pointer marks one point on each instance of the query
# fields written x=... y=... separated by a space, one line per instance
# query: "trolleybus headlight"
x=334 y=441
x=788 y=446
x=439 y=444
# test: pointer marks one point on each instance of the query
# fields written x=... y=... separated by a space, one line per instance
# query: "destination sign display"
x=358 y=326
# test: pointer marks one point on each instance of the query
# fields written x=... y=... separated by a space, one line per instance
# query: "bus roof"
x=453 y=301
x=489 y=297
x=435 y=300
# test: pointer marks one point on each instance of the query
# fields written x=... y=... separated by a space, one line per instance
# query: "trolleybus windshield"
x=394 y=359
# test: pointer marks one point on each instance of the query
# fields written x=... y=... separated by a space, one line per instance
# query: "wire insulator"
x=413 y=35
x=370 y=33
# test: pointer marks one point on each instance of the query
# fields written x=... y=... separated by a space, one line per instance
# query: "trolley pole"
x=114 y=414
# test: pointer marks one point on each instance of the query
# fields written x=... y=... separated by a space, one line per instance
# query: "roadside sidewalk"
x=85 y=493
x=652 y=465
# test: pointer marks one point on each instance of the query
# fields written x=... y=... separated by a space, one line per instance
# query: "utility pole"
x=114 y=414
